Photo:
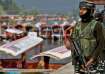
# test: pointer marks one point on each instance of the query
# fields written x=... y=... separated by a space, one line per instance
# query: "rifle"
x=76 y=47
x=77 y=52
x=81 y=58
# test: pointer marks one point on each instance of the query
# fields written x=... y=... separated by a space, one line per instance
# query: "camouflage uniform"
x=90 y=38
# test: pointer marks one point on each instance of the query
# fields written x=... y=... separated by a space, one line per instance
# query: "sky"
x=50 y=5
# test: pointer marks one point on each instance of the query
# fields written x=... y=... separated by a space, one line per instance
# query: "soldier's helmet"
x=87 y=4
x=90 y=7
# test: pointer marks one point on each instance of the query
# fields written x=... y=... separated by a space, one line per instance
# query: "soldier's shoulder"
x=99 y=23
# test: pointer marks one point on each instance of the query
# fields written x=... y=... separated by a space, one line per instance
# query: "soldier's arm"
x=100 y=41
x=98 y=33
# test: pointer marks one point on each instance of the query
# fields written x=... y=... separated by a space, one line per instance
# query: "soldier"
x=99 y=16
x=88 y=36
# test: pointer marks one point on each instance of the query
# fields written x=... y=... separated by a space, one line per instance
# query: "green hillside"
x=8 y=6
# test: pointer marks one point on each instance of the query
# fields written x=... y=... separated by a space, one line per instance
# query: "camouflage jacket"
x=90 y=38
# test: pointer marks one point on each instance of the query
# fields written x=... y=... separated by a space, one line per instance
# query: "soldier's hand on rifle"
x=83 y=69
x=89 y=62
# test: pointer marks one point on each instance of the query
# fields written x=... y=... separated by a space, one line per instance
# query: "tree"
x=10 y=6
x=1 y=10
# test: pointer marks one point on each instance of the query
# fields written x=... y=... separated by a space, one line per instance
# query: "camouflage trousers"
x=96 y=68
x=101 y=66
